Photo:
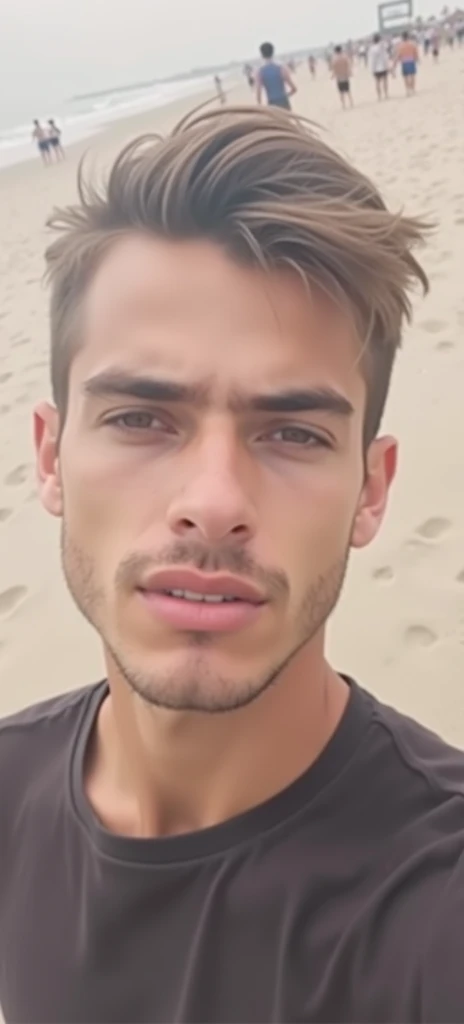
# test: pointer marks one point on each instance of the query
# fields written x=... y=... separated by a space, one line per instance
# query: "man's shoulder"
x=40 y=729
x=420 y=750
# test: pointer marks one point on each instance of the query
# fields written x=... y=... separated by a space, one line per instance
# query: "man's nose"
x=214 y=503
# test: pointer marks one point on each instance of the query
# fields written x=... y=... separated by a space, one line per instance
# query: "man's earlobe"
x=381 y=462
x=46 y=439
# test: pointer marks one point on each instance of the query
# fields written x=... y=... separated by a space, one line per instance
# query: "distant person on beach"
x=363 y=53
x=40 y=136
x=312 y=65
x=274 y=80
x=407 y=56
x=380 y=65
x=460 y=31
x=219 y=89
x=54 y=139
x=249 y=75
x=435 y=43
x=341 y=72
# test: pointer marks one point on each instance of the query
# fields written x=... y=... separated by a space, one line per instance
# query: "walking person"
x=273 y=80
x=220 y=90
x=341 y=72
x=380 y=65
x=407 y=55
x=54 y=140
x=40 y=136
x=436 y=43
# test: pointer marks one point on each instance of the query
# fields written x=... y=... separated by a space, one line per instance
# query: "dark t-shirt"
x=340 y=899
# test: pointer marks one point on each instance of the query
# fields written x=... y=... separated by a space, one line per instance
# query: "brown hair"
x=266 y=186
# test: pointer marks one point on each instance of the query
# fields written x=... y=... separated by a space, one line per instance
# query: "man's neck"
x=152 y=772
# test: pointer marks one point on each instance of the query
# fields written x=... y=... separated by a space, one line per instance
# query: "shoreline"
x=123 y=124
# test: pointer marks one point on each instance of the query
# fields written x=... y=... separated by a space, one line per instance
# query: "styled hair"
x=266 y=187
x=266 y=50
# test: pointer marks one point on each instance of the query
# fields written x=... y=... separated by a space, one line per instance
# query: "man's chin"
x=201 y=680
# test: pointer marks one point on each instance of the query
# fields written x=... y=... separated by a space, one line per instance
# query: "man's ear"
x=46 y=438
x=381 y=462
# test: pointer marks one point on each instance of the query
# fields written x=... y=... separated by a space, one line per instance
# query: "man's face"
x=212 y=447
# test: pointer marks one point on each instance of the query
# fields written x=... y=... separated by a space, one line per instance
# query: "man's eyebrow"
x=303 y=400
x=111 y=384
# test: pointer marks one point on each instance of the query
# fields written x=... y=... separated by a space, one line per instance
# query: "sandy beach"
x=400 y=626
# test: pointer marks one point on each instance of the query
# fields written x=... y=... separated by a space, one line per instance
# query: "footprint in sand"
x=433 y=528
x=5 y=514
x=4 y=377
x=433 y=326
x=444 y=346
x=460 y=576
x=418 y=635
x=4 y=409
x=383 y=573
x=459 y=220
x=23 y=399
x=16 y=476
x=9 y=599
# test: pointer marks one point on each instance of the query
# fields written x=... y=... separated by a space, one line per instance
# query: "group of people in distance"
x=383 y=59
x=48 y=140
x=274 y=81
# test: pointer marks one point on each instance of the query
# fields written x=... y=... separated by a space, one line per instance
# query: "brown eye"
x=137 y=420
x=297 y=436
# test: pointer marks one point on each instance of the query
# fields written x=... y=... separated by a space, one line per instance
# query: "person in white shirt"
x=380 y=65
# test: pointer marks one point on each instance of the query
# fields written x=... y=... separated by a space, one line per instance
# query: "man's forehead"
x=233 y=325
x=152 y=276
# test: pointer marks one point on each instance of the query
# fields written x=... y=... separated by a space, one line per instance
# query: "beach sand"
x=400 y=625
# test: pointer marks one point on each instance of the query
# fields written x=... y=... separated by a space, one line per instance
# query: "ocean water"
x=81 y=117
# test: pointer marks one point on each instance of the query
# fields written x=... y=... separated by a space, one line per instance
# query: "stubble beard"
x=197 y=688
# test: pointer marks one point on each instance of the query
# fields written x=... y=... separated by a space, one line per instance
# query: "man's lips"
x=217 y=584
x=190 y=601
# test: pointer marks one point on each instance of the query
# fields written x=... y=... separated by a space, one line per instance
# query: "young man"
x=54 y=140
x=380 y=65
x=225 y=828
x=274 y=80
x=436 y=43
x=220 y=90
x=341 y=71
x=407 y=55
x=39 y=136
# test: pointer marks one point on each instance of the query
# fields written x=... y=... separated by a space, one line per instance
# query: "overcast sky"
x=64 y=46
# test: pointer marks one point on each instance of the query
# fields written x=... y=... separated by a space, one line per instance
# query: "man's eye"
x=298 y=436
x=136 y=420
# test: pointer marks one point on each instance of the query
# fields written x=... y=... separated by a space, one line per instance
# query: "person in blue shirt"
x=274 y=80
